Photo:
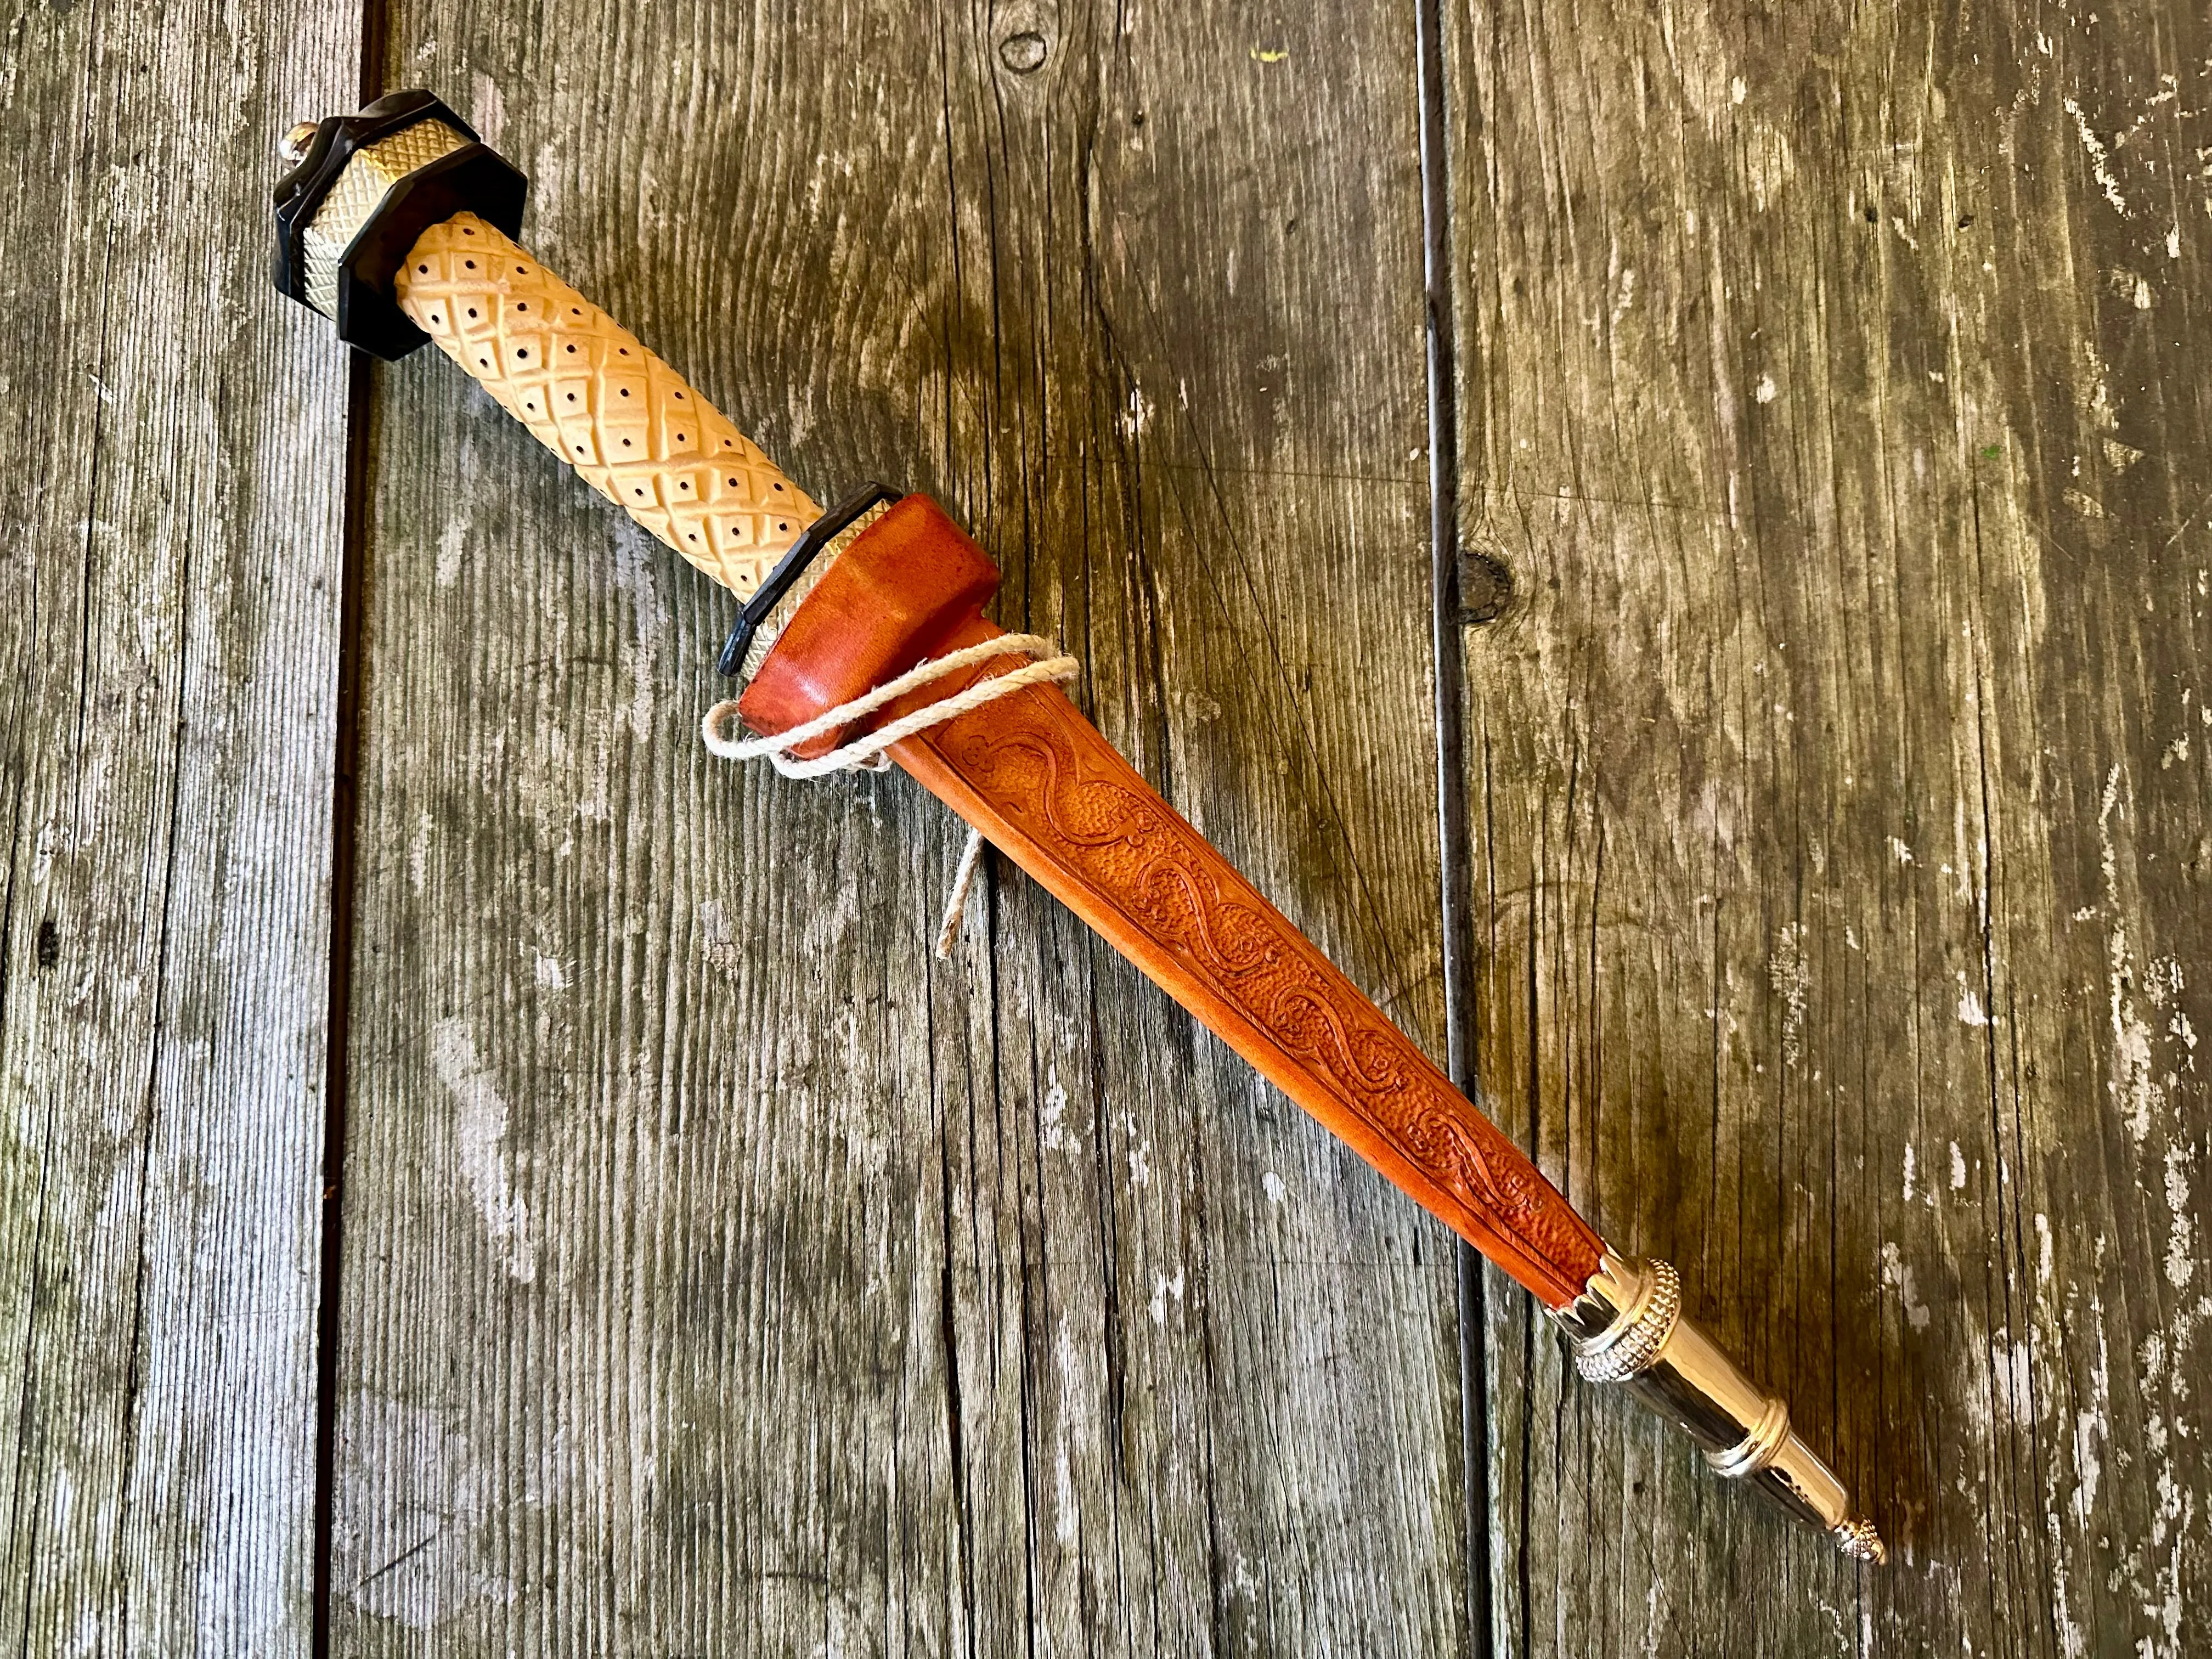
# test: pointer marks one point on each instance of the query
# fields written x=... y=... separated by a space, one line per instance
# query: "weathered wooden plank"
x=1832 y=393
x=721 y=1275
x=171 y=481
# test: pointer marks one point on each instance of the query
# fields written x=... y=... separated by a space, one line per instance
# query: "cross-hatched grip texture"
x=598 y=399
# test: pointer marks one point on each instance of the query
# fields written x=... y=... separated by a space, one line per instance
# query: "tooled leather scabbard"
x=1045 y=787
x=1048 y=790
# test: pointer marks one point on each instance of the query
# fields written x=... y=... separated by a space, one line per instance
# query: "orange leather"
x=1052 y=794
x=870 y=619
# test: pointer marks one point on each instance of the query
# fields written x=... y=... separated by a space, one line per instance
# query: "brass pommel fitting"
x=1627 y=1327
x=361 y=189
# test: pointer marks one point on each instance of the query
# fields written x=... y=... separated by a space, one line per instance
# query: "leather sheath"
x=1046 y=788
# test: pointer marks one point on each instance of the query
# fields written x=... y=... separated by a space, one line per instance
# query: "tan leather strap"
x=593 y=395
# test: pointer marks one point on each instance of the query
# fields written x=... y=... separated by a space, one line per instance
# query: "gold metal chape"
x=1627 y=1327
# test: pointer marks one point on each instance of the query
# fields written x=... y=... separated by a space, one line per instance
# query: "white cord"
x=956 y=906
x=866 y=753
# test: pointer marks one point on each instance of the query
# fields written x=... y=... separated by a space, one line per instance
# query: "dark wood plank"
x=1832 y=391
x=721 y=1275
x=172 y=483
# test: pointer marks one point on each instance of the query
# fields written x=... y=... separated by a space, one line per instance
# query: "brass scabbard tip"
x=1627 y=1329
x=1859 y=1540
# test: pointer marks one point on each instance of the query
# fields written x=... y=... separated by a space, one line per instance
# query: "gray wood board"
x=721 y=1273
x=1831 y=391
x=173 y=496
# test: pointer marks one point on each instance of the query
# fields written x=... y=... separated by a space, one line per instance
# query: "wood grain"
x=719 y=1276
x=171 y=485
x=1832 y=397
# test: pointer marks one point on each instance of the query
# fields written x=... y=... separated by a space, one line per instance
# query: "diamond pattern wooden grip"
x=593 y=395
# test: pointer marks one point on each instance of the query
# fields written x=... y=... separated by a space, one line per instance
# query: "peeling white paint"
x=2180 y=1246
x=1787 y=972
x=2091 y=1428
x=481 y=1131
x=2096 y=400
x=418 y=852
x=448 y=570
x=1623 y=297
x=2100 y=157
x=1052 y=1120
x=1162 y=1288
x=2174 y=1518
x=2133 y=1089
x=1896 y=1272
x=2073 y=1644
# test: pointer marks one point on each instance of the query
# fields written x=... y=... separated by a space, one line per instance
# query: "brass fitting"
x=1627 y=1327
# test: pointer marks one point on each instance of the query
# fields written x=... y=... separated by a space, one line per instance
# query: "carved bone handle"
x=590 y=391
x=396 y=224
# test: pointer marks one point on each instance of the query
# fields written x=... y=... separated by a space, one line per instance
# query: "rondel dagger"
x=398 y=226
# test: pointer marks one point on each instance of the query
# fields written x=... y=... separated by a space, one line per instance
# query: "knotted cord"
x=866 y=754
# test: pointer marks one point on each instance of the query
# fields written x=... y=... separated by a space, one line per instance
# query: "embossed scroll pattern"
x=1050 y=775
